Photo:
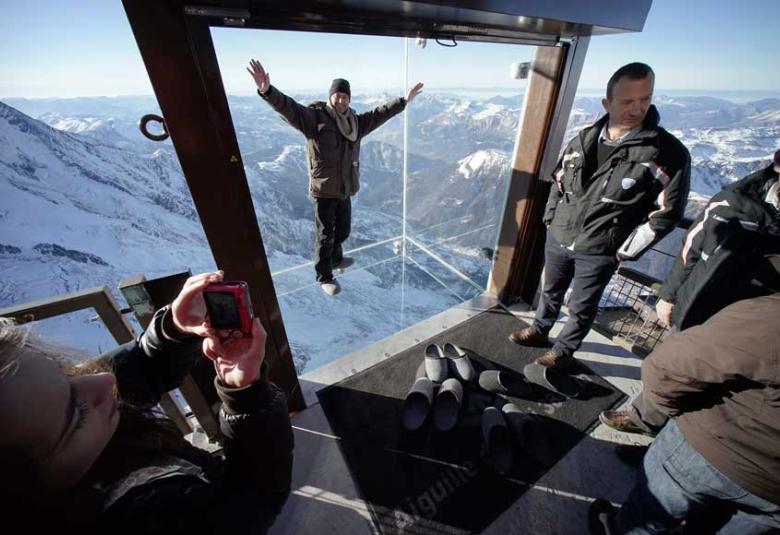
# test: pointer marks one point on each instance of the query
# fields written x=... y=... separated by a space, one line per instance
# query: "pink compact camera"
x=229 y=307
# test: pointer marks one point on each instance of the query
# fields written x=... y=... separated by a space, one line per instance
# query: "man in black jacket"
x=620 y=186
x=728 y=243
x=333 y=133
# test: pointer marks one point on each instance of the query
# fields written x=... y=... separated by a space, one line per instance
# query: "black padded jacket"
x=627 y=204
x=242 y=492
x=726 y=254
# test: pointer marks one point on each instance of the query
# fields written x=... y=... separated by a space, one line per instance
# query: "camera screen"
x=223 y=310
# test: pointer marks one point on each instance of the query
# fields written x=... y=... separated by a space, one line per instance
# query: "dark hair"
x=634 y=71
x=142 y=436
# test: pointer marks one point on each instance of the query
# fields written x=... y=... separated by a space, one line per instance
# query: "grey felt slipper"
x=529 y=433
x=552 y=380
x=435 y=363
x=417 y=404
x=447 y=405
x=497 y=440
x=461 y=364
x=506 y=383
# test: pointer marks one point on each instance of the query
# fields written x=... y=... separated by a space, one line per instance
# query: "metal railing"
x=627 y=307
x=627 y=311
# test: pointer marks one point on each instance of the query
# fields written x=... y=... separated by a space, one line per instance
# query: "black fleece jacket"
x=628 y=203
x=724 y=256
x=198 y=492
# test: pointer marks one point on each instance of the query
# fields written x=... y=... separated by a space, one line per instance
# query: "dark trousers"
x=588 y=275
x=333 y=218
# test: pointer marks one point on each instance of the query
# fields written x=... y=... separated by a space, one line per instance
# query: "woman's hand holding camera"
x=237 y=360
x=189 y=309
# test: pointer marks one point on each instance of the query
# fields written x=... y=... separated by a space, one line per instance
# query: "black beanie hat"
x=777 y=158
x=339 y=85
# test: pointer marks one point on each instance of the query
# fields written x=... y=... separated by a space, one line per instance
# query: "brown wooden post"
x=549 y=96
x=179 y=56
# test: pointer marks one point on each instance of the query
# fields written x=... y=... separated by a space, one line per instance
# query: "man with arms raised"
x=333 y=133
x=620 y=186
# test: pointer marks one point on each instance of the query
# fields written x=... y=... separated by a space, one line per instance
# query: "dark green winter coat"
x=332 y=160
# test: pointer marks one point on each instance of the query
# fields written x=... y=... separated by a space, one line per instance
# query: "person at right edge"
x=718 y=456
x=730 y=253
x=620 y=186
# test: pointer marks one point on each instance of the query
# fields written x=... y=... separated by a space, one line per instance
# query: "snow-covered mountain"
x=85 y=200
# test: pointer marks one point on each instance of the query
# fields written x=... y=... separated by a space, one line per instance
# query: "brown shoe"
x=620 y=421
x=528 y=336
x=554 y=361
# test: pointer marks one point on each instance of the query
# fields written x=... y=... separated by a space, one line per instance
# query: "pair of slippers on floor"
x=508 y=430
x=439 y=363
x=518 y=385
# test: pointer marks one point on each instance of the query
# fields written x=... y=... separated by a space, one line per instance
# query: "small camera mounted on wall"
x=519 y=71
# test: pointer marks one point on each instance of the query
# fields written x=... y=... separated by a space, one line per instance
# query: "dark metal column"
x=549 y=97
x=179 y=56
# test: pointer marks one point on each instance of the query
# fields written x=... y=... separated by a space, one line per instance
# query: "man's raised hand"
x=261 y=78
x=413 y=92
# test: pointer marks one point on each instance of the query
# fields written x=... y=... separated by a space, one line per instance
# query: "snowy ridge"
x=85 y=200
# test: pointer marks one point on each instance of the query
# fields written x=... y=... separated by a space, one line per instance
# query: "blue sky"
x=47 y=49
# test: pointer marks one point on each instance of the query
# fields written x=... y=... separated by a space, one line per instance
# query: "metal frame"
x=518 y=261
x=182 y=65
x=530 y=22
x=98 y=298
x=175 y=43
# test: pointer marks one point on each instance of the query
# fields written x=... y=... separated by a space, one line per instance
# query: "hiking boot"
x=528 y=336
x=331 y=287
x=631 y=454
x=553 y=361
x=620 y=421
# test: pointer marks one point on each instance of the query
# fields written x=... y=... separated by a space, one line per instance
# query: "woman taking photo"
x=85 y=446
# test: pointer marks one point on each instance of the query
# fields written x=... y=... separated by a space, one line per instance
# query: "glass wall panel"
x=456 y=152
x=460 y=142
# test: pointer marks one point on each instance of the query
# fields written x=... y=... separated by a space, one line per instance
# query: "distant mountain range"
x=86 y=200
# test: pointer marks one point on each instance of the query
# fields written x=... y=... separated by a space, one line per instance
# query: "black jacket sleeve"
x=258 y=438
x=300 y=117
x=556 y=192
x=373 y=119
x=675 y=175
x=155 y=363
x=254 y=482
x=688 y=257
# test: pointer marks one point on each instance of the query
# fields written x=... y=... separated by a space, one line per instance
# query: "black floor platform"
x=432 y=482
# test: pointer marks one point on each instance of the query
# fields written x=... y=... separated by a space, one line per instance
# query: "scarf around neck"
x=346 y=122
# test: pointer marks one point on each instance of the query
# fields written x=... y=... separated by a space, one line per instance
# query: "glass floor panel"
x=382 y=293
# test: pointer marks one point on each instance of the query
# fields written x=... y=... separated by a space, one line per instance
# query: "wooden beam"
x=179 y=56
x=549 y=96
